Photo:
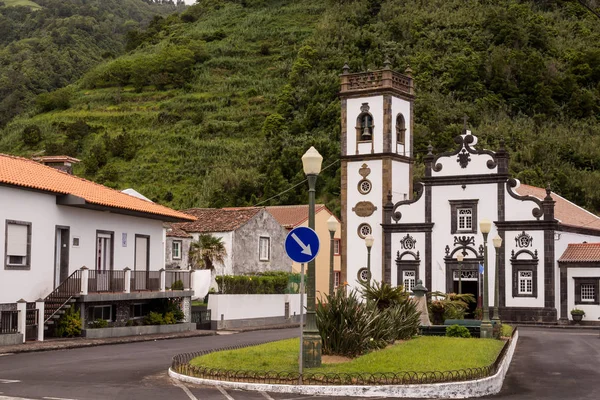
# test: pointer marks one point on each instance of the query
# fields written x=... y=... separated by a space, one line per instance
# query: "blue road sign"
x=302 y=244
x=481 y=269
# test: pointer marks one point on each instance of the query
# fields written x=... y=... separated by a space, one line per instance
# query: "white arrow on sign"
x=9 y=381
x=305 y=248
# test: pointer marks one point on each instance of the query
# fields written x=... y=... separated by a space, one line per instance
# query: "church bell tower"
x=377 y=159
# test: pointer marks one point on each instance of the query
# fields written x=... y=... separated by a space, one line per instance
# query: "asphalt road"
x=548 y=364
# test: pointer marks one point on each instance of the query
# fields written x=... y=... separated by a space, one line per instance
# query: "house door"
x=469 y=284
x=142 y=248
x=61 y=261
x=104 y=259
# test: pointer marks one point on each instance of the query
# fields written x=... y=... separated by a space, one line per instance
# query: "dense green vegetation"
x=48 y=44
x=425 y=353
x=215 y=106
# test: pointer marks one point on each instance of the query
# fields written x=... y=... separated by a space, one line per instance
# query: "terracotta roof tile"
x=27 y=173
x=218 y=219
x=291 y=216
x=581 y=252
x=566 y=212
x=173 y=230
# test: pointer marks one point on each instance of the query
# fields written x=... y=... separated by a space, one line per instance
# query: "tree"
x=206 y=251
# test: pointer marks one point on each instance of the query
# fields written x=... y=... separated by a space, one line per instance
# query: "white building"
x=419 y=237
x=55 y=223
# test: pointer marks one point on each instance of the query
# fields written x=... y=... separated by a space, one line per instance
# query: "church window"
x=365 y=127
x=525 y=282
x=364 y=230
x=465 y=219
x=400 y=129
x=408 y=280
x=587 y=290
x=364 y=186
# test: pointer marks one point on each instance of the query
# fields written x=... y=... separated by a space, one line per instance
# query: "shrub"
x=177 y=285
x=99 y=323
x=169 y=318
x=405 y=319
x=383 y=294
x=154 y=318
x=577 y=311
x=69 y=325
x=458 y=331
x=275 y=282
x=31 y=135
x=58 y=100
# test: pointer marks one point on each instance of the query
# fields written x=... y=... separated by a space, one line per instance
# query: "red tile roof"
x=566 y=212
x=27 y=173
x=173 y=230
x=292 y=216
x=581 y=252
x=218 y=219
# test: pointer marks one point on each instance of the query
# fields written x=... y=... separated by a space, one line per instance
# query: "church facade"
x=549 y=259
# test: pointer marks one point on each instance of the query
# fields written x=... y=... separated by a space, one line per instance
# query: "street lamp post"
x=369 y=239
x=460 y=257
x=332 y=224
x=486 y=325
x=497 y=240
x=311 y=163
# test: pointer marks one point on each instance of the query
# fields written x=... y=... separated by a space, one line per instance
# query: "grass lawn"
x=426 y=353
x=507 y=330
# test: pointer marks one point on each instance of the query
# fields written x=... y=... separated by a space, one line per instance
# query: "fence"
x=145 y=281
x=172 y=277
x=201 y=319
x=106 y=281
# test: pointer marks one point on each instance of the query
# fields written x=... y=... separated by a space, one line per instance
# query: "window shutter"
x=16 y=242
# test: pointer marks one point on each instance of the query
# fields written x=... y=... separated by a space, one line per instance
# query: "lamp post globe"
x=332 y=224
x=497 y=240
x=311 y=340
x=485 y=225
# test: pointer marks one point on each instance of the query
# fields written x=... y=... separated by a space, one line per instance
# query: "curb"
x=80 y=343
x=450 y=390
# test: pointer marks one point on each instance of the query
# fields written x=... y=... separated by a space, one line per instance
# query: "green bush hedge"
x=458 y=331
x=265 y=283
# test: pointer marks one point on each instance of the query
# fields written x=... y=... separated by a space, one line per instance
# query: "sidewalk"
x=72 y=343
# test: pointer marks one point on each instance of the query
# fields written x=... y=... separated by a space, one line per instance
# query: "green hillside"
x=216 y=106
x=24 y=3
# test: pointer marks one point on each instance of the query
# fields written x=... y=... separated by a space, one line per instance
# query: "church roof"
x=565 y=211
x=581 y=252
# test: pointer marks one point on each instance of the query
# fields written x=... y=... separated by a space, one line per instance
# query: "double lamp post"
x=485 y=225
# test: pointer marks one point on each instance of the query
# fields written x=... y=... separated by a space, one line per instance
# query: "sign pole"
x=300 y=360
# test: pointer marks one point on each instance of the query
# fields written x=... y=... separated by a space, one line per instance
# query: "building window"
x=525 y=282
x=408 y=280
x=264 y=251
x=17 y=245
x=337 y=243
x=102 y=312
x=139 y=310
x=176 y=250
x=463 y=217
x=337 y=276
x=400 y=129
x=364 y=230
x=587 y=290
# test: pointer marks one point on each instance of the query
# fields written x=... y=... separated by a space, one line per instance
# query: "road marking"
x=9 y=381
x=185 y=389
x=266 y=396
x=56 y=398
x=13 y=398
x=6 y=354
x=224 y=393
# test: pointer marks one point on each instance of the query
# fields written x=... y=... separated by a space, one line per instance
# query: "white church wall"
x=592 y=311
x=518 y=210
x=510 y=246
x=353 y=111
x=400 y=106
x=401 y=183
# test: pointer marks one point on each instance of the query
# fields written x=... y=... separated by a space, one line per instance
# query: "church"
x=548 y=261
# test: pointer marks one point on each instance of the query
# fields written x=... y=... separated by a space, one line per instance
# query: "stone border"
x=450 y=390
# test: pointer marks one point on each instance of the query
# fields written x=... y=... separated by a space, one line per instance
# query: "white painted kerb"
x=451 y=390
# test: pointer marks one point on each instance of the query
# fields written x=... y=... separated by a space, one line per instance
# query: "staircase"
x=61 y=298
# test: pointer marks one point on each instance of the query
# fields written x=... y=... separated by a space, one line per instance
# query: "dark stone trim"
x=502 y=168
x=382 y=91
x=564 y=297
x=27 y=266
x=536 y=212
x=549 y=263
x=387 y=123
x=530 y=225
x=148 y=251
x=464 y=179
x=378 y=156
x=387 y=241
x=112 y=248
x=577 y=229
x=524 y=265
x=406 y=265
x=587 y=280
x=428 y=239
x=454 y=206
x=401 y=228
x=580 y=264
x=397 y=215
x=528 y=314
x=344 y=132
x=471 y=264
x=465 y=142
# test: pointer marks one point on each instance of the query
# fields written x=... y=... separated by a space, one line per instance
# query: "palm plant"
x=206 y=252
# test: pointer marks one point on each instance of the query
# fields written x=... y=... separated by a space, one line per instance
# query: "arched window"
x=365 y=127
x=400 y=129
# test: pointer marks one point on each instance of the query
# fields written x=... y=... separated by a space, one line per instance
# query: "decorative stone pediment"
x=364 y=208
